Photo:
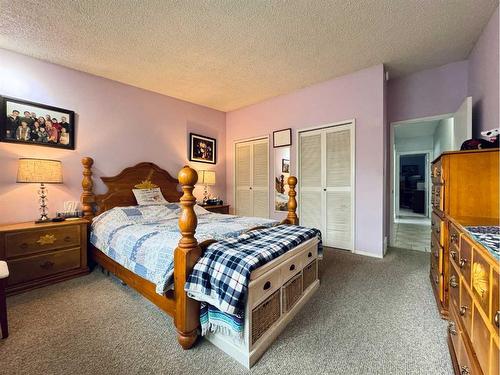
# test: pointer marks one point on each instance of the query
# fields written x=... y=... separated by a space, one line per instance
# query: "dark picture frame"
x=285 y=166
x=202 y=149
x=282 y=138
x=30 y=130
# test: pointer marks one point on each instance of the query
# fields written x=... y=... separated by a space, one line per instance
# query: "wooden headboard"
x=120 y=187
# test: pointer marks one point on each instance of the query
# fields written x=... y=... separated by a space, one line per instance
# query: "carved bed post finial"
x=87 y=198
x=292 y=217
x=186 y=255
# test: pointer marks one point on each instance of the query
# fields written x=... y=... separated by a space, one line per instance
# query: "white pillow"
x=149 y=196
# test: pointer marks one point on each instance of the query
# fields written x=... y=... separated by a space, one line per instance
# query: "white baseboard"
x=365 y=253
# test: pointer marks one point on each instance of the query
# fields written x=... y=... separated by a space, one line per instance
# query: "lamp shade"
x=40 y=171
x=207 y=177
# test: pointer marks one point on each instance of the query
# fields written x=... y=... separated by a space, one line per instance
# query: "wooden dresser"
x=42 y=254
x=465 y=193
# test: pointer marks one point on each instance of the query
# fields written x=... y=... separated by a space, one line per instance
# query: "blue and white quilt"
x=143 y=238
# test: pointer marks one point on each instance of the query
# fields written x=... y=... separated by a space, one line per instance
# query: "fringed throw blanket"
x=221 y=276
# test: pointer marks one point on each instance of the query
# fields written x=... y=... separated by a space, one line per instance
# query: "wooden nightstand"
x=43 y=254
x=218 y=208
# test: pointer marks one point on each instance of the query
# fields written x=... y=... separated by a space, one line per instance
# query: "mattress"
x=143 y=238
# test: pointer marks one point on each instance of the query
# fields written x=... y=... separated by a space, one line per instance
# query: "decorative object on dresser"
x=42 y=255
x=42 y=171
x=217 y=208
x=202 y=149
x=32 y=123
x=464 y=262
x=4 y=274
x=282 y=138
x=206 y=178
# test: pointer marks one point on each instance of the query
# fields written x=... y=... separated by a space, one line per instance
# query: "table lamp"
x=206 y=178
x=42 y=171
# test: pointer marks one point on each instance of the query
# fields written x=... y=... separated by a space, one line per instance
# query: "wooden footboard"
x=176 y=303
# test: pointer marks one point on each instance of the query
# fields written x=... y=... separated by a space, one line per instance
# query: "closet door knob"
x=324 y=189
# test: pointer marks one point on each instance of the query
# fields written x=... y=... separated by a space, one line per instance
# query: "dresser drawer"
x=454 y=238
x=458 y=341
x=290 y=268
x=437 y=172
x=481 y=280
x=309 y=255
x=436 y=255
x=38 y=266
x=495 y=307
x=494 y=367
x=454 y=288
x=36 y=241
x=464 y=259
x=437 y=197
x=438 y=228
x=481 y=340
x=264 y=286
x=465 y=309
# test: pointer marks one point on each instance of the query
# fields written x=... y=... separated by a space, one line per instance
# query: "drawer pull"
x=453 y=254
x=309 y=254
x=463 y=310
x=47 y=265
x=453 y=238
x=24 y=245
x=497 y=318
x=292 y=267
x=436 y=254
x=453 y=281
x=436 y=280
x=46 y=239
x=464 y=370
x=452 y=328
x=267 y=285
x=67 y=239
x=463 y=262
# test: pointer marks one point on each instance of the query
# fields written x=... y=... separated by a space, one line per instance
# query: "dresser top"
x=31 y=225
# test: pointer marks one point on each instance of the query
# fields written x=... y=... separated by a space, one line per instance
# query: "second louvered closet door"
x=252 y=178
x=326 y=183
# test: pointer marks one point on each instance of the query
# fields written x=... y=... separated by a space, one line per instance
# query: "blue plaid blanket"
x=221 y=276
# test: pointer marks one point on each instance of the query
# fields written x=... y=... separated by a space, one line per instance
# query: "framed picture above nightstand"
x=43 y=254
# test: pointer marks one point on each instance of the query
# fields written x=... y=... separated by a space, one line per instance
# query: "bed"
x=166 y=294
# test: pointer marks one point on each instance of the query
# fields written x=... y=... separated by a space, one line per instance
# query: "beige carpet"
x=370 y=316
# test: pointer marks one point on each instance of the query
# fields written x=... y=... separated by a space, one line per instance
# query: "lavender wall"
x=427 y=93
x=118 y=125
x=359 y=96
x=484 y=78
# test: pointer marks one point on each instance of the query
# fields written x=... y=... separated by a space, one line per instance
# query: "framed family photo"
x=202 y=149
x=38 y=124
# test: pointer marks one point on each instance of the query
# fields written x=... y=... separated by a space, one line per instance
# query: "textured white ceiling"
x=227 y=54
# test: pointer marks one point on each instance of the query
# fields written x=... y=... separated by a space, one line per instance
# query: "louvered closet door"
x=338 y=185
x=311 y=197
x=326 y=183
x=260 y=178
x=243 y=174
x=252 y=178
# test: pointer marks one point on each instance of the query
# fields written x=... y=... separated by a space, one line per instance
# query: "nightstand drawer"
x=35 y=241
x=39 y=266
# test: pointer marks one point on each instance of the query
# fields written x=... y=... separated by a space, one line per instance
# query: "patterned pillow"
x=149 y=196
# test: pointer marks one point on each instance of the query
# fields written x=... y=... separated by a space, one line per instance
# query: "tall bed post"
x=292 y=217
x=87 y=198
x=187 y=253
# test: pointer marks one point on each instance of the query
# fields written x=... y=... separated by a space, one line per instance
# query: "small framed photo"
x=38 y=124
x=202 y=149
x=282 y=138
x=285 y=166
